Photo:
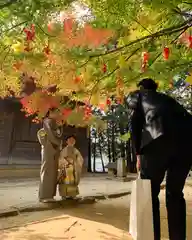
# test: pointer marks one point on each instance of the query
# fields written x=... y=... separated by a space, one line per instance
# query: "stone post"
x=121 y=168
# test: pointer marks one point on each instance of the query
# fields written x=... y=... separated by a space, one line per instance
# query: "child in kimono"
x=70 y=167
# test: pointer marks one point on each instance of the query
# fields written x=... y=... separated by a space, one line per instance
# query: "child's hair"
x=70 y=136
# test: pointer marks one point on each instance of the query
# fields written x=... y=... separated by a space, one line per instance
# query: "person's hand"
x=62 y=163
x=70 y=160
x=138 y=165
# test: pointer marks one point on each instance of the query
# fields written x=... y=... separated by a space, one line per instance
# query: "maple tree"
x=95 y=60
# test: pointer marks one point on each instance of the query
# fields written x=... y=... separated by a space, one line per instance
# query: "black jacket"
x=154 y=115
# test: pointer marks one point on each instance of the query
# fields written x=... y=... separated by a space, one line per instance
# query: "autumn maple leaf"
x=68 y=26
x=66 y=112
x=39 y=102
x=86 y=36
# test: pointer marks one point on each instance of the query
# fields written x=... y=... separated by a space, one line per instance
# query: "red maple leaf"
x=26 y=103
x=108 y=101
x=77 y=79
x=30 y=33
x=86 y=36
x=47 y=50
x=68 y=26
x=17 y=65
x=66 y=112
x=87 y=112
x=102 y=106
x=50 y=26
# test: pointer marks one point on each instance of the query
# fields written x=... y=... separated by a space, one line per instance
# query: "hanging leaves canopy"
x=105 y=55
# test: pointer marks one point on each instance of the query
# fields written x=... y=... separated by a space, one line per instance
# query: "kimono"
x=70 y=167
x=50 y=139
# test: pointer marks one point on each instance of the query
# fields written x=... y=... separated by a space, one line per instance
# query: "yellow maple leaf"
x=95 y=99
x=122 y=62
x=189 y=79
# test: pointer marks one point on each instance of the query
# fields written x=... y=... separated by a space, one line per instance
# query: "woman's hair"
x=148 y=84
x=49 y=111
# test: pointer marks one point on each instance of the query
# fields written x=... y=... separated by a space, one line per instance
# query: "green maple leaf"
x=125 y=137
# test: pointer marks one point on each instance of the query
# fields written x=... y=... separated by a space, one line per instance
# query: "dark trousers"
x=156 y=160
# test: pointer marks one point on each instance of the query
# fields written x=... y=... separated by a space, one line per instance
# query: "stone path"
x=21 y=195
x=105 y=220
x=16 y=193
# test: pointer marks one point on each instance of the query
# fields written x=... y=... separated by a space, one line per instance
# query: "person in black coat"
x=161 y=130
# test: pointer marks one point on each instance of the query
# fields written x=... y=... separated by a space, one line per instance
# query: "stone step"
x=22 y=171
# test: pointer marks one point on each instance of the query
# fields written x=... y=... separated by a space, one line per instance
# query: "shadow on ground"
x=104 y=220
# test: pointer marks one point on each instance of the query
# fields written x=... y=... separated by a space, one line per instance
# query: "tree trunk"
x=128 y=156
x=101 y=155
x=108 y=143
x=94 y=156
x=113 y=143
x=122 y=145
x=89 y=155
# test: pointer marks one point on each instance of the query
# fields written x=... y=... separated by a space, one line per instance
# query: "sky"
x=81 y=12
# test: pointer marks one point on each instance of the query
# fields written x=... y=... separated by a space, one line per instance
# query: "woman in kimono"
x=50 y=139
x=70 y=167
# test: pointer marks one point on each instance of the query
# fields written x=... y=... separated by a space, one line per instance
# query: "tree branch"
x=47 y=34
x=182 y=13
x=9 y=3
x=6 y=55
x=83 y=64
x=142 y=26
x=159 y=54
x=113 y=71
x=14 y=26
x=187 y=3
x=166 y=31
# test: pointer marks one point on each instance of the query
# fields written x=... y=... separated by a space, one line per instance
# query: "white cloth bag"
x=141 y=216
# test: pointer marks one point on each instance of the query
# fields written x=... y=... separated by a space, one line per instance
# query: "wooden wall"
x=25 y=148
x=6 y=126
x=19 y=144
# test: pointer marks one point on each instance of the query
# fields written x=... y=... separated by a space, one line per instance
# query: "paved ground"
x=21 y=195
x=106 y=220
x=16 y=193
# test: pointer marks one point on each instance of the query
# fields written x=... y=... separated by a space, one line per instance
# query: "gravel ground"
x=107 y=220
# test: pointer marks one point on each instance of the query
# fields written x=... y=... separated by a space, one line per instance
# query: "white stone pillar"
x=121 y=172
